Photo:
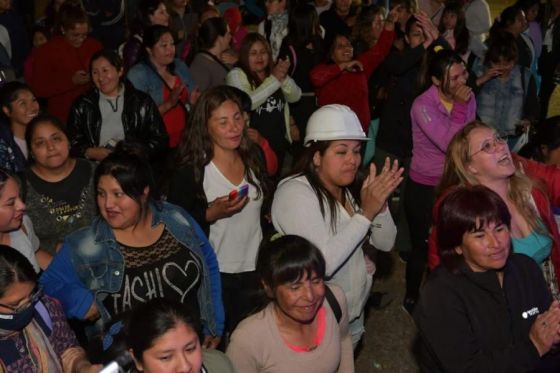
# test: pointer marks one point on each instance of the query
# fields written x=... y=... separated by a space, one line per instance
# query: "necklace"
x=114 y=107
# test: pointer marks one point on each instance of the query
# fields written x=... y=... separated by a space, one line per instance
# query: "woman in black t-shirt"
x=59 y=194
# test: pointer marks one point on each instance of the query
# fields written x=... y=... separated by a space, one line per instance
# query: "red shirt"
x=175 y=119
x=54 y=64
x=333 y=86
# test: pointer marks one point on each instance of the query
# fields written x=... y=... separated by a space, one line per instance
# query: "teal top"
x=536 y=245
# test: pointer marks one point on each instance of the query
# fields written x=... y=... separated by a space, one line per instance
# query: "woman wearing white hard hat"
x=316 y=203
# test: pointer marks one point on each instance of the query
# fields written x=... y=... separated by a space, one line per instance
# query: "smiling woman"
x=19 y=106
x=142 y=247
x=477 y=155
x=16 y=229
x=316 y=203
x=484 y=308
x=216 y=157
x=166 y=80
x=300 y=329
x=60 y=66
x=113 y=110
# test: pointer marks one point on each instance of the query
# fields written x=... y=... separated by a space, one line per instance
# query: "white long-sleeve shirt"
x=295 y=210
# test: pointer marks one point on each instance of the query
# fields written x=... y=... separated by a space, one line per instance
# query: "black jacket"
x=468 y=323
x=141 y=120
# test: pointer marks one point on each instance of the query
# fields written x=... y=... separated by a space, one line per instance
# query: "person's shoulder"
x=138 y=69
x=297 y=181
x=56 y=42
x=216 y=362
x=92 y=44
x=338 y=294
x=293 y=185
x=523 y=263
x=132 y=93
x=237 y=71
x=441 y=281
x=86 y=99
x=253 y=325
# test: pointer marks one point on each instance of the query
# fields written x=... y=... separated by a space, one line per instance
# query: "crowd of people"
x=205 y=186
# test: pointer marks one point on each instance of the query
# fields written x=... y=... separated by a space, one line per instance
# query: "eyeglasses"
x=490 y=146
x=31 y=300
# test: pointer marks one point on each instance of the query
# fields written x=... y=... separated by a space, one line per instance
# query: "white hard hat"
x=333 y=122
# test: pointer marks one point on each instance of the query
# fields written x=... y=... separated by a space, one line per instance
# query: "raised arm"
x=295 y=210
x=259 y=95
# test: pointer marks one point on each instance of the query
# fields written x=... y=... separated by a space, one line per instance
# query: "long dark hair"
x=129 y=166
x=9 y=92
x=14 y=267
x=303 y=27
x=466 y=209
x=437 y=63
x=505 y=19
x=153 y=319
x=152 y=35
x=36 y=122
x=460 y=33
x=196 y=149
x=288 y=259
x=305 y=167
x=501 y=46
x=243 y=62
x=209 y=32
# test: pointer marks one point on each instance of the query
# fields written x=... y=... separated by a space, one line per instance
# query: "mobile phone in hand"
x=241 y=192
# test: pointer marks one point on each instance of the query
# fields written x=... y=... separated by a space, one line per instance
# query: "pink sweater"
x=432 y=130
x=257 y=346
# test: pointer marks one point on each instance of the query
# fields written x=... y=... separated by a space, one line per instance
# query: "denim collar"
x=104 y=232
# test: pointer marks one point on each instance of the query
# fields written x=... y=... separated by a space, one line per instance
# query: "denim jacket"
x=90 y=266
x=501 y=104
x=145 y=78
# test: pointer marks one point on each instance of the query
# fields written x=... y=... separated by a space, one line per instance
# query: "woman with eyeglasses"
x=34 y=334
x=60 y=67
x=476 y=155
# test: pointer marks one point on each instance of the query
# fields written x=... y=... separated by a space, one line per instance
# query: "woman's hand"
x=195 y=94
x=294 y=130
x=222 y=207
x=229 y=57
x=351 y=66
x=92 y=314
x=462 y=94
x=175 y=94
x=80 y=77
x=280 y=70
x=490 y=73
x=211 y=342
x=172 y=100
x=254 y=135
x=97 y=154
x=370 y=265
x=377 y=188
x=92 y=368
x=545 y=331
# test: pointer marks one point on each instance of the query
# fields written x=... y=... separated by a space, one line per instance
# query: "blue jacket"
x=145 y=78
x=503 y=104
x=90 y=266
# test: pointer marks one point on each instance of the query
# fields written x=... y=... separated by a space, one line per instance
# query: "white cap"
x=333 y=122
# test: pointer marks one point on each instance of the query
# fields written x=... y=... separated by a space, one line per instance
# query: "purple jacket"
x=432 y=130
